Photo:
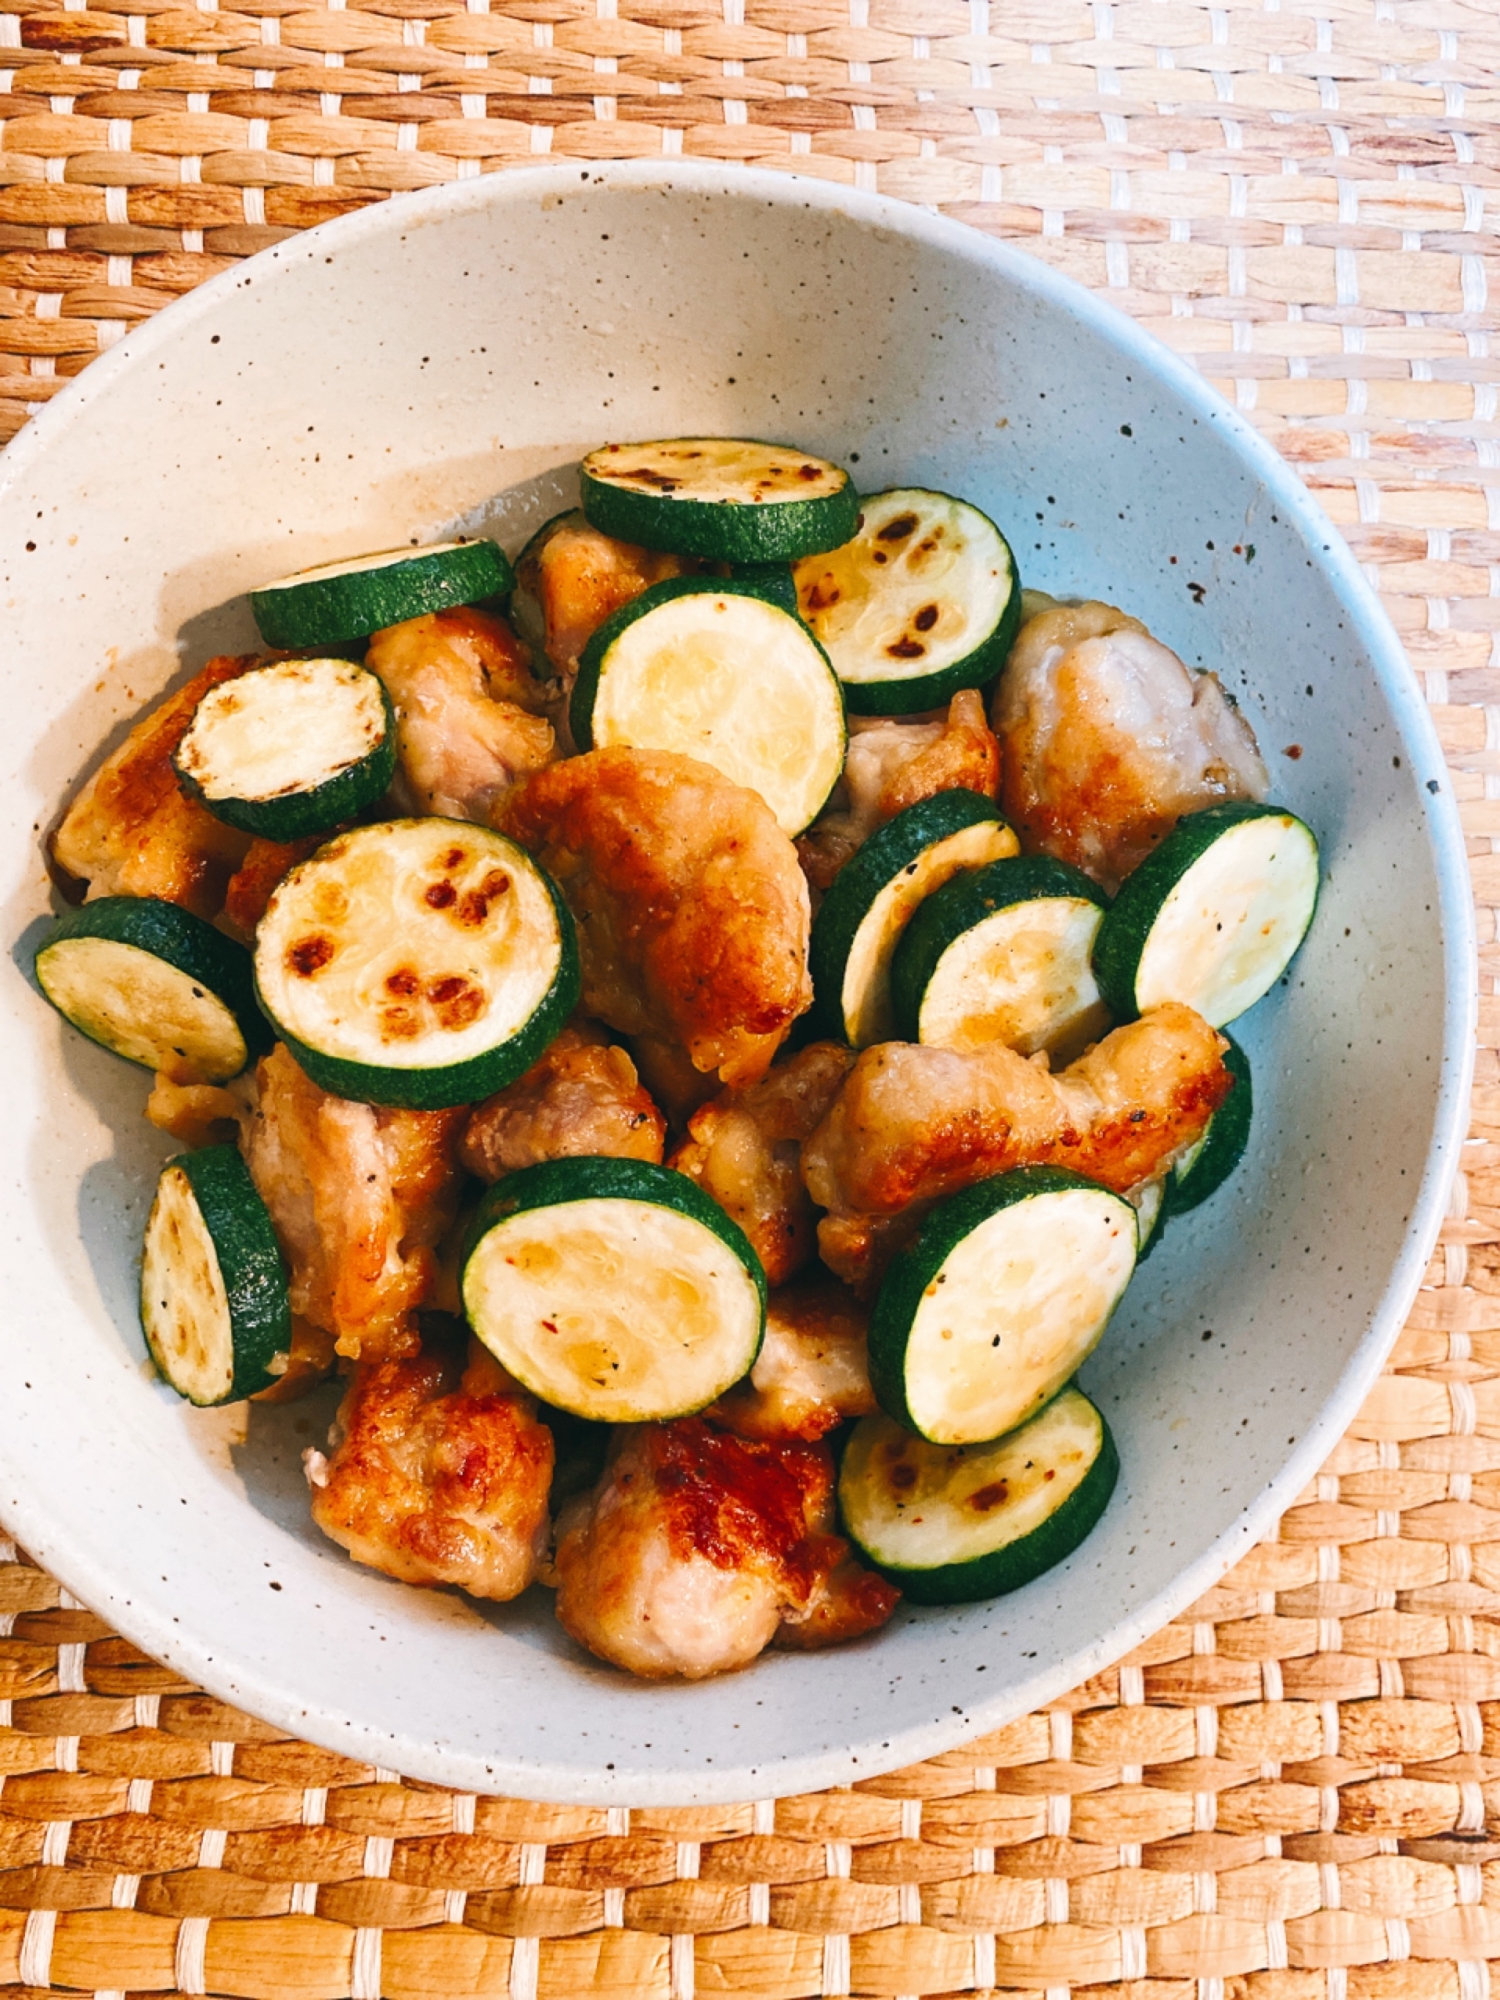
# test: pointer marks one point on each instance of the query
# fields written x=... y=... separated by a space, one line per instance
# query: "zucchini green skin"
x=963 y=901
x=1129 y=920
x=891 y=848
x=174 y=935
x=1223 y=1146
x=721 y=531
x=591 y=659
x=915 y=1267
x=328 y=610
x=254 y=1271
x=1022 y=1562
x=296 y=815
x=773 y=581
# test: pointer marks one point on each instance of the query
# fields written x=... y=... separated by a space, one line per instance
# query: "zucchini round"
x=1001 y=1298
x=418 y=962
x=339 y=601
x=214 y=1303
x=1150 y=1204
x=290 y=749
x=773 y=581
x=713 y=669
x=734 y=500
x=953 y=1526
x=1003 y=954
x=1213 y=917
x=872 y=899
x=151 y=982
x=614 y=1289
x=1204 y=1170
x=923 y=601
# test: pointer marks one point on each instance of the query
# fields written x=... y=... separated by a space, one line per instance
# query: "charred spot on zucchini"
x=214 y=1301
x=1213 y=917
x=951 y=1526
x=1004 y=1294
x=1003 y=954
x=290 y=749
x=613 y=1289
x=1204 y=1170
x=873 y=897
x=338 y=601
x=151 y=982
x=734 y=500
x=922 y=601
x=418 y=962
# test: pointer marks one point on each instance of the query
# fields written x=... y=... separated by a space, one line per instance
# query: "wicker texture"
x=1286 y=1795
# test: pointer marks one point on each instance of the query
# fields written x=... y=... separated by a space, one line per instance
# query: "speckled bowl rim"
x=82 y=1573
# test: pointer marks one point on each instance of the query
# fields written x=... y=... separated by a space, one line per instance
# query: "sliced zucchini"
x=732 y=500
x=1003 y=1295
x=1204 y=1170
x=1002 y=954
x=214 y=1304
x=712 y=669
x=923 y=601
x=157 y=985
x=772 y=580
x=1149 y=1201
x=419 y=962
x=860 y=921
x=291 y=749
x=350 y=599
x=1213 y=917
x=614 y=1289
x=953 y=1526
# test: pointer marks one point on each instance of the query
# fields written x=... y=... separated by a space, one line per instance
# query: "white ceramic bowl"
x=447 y=359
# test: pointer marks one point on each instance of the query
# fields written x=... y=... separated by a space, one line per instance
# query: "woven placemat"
x=1287 y=1794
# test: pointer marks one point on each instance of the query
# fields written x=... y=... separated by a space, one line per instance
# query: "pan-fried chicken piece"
x=199 y=1114
x=744 y=1149
x=361 y=1195
x=1109 y=739
x=439 y=1473
x=892 y=765
x=468 y=721
x=813 y=1369
x=849 y=1602
x=583 y=1096
x=264 y=865
x=694 y=1548
x=692 y=913
x=914 y=1123
x=133 y=831
x=578 y=578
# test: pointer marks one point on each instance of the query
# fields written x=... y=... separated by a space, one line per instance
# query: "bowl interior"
x=444 y=363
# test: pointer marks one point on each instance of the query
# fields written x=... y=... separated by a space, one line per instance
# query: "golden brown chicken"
x=915 y=1123
x=360 y=1195
x=1108 y=739
x=583 y=1096
x=892 y=765
x=439 y=1473
x=468 y=710
x=744 y=1149
x=253 y=882
x=692 y=913
x=813 y=1369
x=696 y=1546
x=133 y=831
x=578 y=578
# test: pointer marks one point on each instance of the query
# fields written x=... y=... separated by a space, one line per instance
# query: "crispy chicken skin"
x=914 y=1123
x=467 y=710
x=440 y=1473
x=744 y=1149
x=813 y=1369
x=133 y=831
x=692 y=913
x=695 y=1546
x=583 y=1096
x=1108 y=739
x=252 y=884
x=893 y=765
x=360 y=1195
x=579 y=577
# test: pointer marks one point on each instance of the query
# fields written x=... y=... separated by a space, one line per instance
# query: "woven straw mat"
x=1287 y=1795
